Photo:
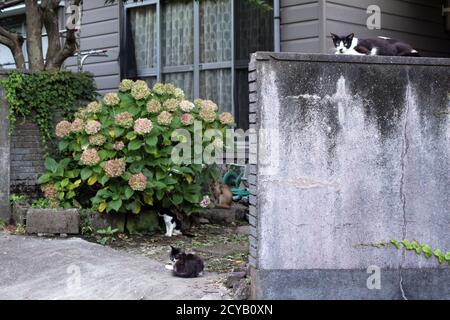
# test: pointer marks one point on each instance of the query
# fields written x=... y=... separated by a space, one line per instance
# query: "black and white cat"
x=381 y=46
x=185 y=265
x=171 y=222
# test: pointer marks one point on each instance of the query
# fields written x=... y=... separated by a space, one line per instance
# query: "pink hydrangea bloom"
x=143 y=126
x=63 y=129
x=138 y=182
x=114 y=168
x=90 y=157
x=92 y=127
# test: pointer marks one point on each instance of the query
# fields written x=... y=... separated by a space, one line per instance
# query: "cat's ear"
x=334 y=36
x=350 y=37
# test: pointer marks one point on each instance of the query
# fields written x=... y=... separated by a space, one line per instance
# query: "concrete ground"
x=40 y=268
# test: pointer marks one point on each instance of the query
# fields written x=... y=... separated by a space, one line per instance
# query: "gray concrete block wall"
x=351 y=152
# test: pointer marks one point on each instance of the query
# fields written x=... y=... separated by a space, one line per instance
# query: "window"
x=192 y=44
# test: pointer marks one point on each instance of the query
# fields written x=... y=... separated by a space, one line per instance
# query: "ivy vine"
x=39 y=96
x=419 y=248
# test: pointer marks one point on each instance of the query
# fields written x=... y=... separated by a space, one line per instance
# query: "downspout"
x=276 y=26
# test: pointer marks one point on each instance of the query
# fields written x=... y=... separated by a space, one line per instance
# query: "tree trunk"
x=51 y=22
x=34 y=35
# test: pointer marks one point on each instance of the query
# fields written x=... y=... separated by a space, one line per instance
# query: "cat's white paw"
x=176 y=232
x=169 y=267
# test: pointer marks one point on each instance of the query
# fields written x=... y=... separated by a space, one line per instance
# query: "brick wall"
x=26 y=157
x=253 y=218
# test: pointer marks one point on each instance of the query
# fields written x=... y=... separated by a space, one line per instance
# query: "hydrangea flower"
x=118 y=145
x=187 y=119
x=208 y=105
x=77 y=125
x=186 y=106
x=114 y=168
x=94 y=107
x=143 y=126
x=159 y=88
x=126 y=85
x=63 y=129
x=218 y=143
x=138 y=182
x=207 y=115
x=82 y=113
x=206 y=201
x=165 y=118
x=111 y=99
x=171 y=105
x=97 y=139
x=92 y=127
x=179 y=94
x=153 y=106
x=49 y=191
x=124 y=119
x=140 y=90
x=90 y=157
x=226 y=118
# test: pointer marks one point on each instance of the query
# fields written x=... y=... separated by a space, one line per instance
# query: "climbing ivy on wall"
x=38 y=96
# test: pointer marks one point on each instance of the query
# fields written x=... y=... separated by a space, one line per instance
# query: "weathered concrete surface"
x=35 y=268
x=53 y=221
x=5 y=213
x=352 y=151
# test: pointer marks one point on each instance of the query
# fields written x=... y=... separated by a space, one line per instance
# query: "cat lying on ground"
x=185 y=265
x=381 y=46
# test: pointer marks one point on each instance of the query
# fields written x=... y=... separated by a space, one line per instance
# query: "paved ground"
x=37 y=268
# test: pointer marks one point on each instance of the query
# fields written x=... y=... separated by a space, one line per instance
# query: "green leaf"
x=65 y=182
x=103 y=179
x=192 y=198
x=50 y=164
x=160 y=175
x=447 y=256
x=396 y=243
x=63 y=144
x=177 y=199
x=134 y=145
x=152 y=141
x=44 y=178
x=128 y=193
x=115 y=205
x=85 y=173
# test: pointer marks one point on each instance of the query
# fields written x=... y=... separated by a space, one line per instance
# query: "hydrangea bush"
x=116 y=154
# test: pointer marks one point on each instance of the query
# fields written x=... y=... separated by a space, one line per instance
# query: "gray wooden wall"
x=306 y=24
x=101 y=30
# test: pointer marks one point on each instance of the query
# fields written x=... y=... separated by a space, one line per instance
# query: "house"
x=204 y=46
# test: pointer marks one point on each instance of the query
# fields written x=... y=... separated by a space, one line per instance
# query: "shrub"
x=38 y=95
x=117 y=156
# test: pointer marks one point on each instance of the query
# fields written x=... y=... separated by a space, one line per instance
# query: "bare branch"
x=14 y=42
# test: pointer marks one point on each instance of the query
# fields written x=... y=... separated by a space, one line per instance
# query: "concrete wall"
x=4 y=157
x=351 y=152
x=306 y=24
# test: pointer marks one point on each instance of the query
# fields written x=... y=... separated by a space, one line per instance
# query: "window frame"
x=197 y=66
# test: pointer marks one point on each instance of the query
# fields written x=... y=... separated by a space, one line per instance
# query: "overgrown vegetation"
x=117 y=155
x=39 y=96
